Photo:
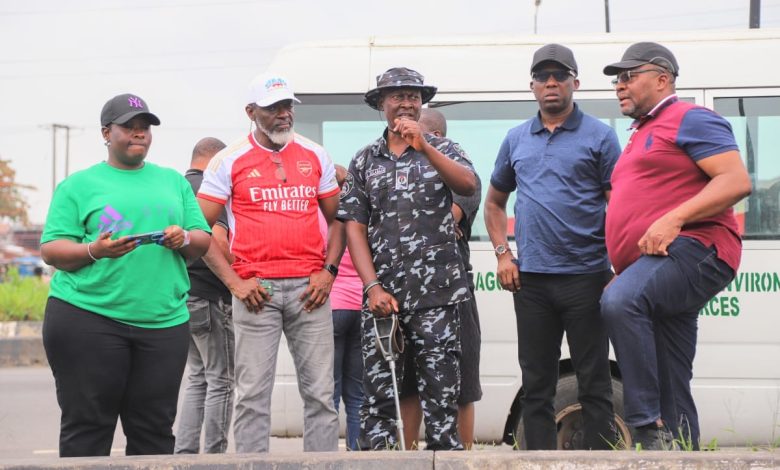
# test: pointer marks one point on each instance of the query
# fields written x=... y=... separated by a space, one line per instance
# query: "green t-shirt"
x=148 y=286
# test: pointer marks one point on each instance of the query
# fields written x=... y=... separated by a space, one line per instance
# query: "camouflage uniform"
x=411 y=233
x=470 y=341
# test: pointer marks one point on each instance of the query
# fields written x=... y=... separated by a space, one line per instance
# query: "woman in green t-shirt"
x=115 y=330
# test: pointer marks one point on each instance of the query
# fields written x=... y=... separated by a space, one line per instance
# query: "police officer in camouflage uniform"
x=397 y=203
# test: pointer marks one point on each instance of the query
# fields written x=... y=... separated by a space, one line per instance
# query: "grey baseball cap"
x=399 y=77
x=644 y=53
x=123 y=108
x=554 y=53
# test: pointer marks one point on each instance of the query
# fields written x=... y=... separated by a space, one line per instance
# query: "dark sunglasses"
x=559 y=75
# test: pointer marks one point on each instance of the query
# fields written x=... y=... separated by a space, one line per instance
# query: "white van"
x=484 y=91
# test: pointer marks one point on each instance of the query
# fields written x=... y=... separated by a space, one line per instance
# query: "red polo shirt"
x=657 y=172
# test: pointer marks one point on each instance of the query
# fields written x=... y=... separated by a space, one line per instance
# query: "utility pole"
x=67 y=151
x=606 y=13
x=53 y=157
x=755 y=14
x=536 y=13
x=54 y=128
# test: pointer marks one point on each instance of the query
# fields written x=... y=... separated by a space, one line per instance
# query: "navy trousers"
x=651 y=311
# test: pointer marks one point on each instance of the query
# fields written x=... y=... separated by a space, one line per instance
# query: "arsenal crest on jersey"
x=304 y=167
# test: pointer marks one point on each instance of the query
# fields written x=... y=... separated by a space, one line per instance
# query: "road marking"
x=118 y=451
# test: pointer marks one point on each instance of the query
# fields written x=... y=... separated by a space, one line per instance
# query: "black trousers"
x=546 y=306
x=104 y=369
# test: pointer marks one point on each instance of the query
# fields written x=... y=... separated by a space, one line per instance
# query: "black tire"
x=568 y=416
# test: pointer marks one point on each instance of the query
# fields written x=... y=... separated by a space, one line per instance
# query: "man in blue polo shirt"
x=560 y=163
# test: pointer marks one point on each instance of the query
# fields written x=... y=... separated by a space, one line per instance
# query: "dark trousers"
x=104 y=369
x=652 y=312
x=546 y=306
x=348 y=370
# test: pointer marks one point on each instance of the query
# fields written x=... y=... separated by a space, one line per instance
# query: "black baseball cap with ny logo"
x=122 y=108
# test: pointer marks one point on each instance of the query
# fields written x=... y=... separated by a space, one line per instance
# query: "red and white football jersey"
x=273 y=223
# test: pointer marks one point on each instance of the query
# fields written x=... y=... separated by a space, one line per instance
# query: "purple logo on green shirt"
x=112 y=221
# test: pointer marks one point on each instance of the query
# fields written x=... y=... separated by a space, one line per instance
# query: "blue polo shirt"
x=560 y=178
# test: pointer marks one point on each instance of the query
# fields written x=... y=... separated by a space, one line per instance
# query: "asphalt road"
x=29 y=417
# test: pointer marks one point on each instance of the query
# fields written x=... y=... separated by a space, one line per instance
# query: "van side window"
x=755 y=121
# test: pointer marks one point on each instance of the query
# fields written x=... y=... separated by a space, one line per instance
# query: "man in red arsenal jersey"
x=671 y=236
x=272 y=183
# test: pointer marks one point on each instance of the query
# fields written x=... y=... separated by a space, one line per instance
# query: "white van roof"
x=710 y=59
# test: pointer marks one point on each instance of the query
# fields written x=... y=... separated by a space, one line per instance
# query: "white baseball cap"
x=267 y=89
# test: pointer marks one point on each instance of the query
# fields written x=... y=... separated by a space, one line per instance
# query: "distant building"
x=21 y=246
x=28 y=238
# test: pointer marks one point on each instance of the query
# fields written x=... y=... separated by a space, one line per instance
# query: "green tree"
x=13 y=205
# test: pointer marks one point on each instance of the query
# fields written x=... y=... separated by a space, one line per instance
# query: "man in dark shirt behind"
x=464 y=210
x=208 y=399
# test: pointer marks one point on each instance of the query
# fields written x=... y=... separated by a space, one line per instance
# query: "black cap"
x=555 y=53
x=123 y=108
x=644 y=53
x=399 y=77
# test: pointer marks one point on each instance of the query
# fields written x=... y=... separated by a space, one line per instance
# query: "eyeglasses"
x=559 y=75
x=626 y=76
x=398 y=98
x=279 y=173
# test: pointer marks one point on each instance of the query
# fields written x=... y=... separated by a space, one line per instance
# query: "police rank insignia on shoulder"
x=456 y=146
x=346 y=188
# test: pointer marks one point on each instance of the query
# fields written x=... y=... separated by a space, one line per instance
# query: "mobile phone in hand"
x=265 y=284
x=149 y=237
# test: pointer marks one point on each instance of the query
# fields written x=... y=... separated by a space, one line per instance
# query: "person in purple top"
x=207 y=405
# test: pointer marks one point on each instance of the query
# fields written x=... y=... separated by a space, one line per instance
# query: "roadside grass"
x=22 y=298
x=621 y=443
x=515 y=442
x=711 y=446
x=682 y=443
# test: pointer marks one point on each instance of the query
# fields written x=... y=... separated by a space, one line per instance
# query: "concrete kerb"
x=21 y=344
x=606 y=460
x=558 y=460
x=310 y=461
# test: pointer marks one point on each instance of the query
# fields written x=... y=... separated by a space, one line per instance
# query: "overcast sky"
x=192 y=59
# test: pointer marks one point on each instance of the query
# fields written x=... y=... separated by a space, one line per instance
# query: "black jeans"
x=546 y=306
x=104 y=369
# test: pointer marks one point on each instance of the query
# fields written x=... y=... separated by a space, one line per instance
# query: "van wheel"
x=568 y=416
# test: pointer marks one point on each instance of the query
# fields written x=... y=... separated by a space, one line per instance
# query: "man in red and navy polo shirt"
x=272 y=184
x=672 y=238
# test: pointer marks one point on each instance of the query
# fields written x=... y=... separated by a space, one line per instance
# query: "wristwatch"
x=331 y=268
x=501 y=249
